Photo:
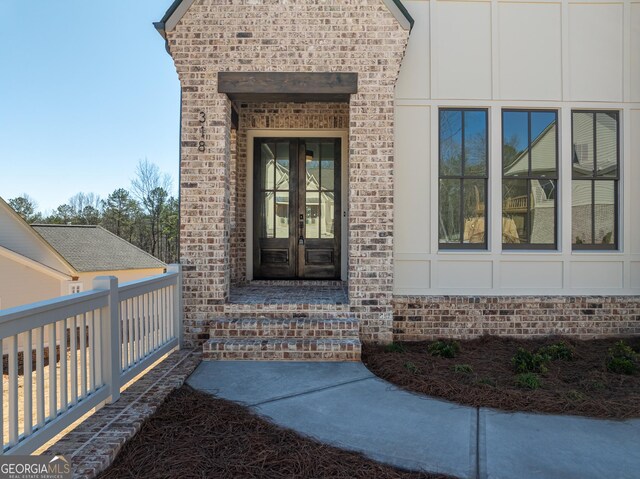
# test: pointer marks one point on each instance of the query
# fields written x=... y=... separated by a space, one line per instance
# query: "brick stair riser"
x=282 y=333
x=282 y=349
x=282 y=355
x=276 y=311
x=265 y=328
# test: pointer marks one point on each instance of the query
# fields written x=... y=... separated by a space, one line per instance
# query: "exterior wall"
x=304 y=36
x=464 y=317
x=21 y=285
x=275 y=116
x=123 y=275
x=504 y=54
x=17 y=236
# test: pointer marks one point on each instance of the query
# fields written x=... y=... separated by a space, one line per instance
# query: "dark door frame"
x=297 y=257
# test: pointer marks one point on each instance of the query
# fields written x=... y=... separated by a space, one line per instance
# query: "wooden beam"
x=285 y=87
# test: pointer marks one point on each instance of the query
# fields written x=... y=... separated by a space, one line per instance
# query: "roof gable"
x=179 y=7
x=93 y=248
x=17 y=236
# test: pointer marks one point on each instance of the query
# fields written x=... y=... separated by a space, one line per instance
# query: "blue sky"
x=86 y=91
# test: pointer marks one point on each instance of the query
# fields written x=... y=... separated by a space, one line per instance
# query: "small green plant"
x=487 y=382
x=412 y=368
x=622 y=359
x=528 y=381
x=444 y=349
x=395 y=348
x=462 y=368
x=527 y=362
x=556 y=351
x=621 y=366
x=576 y=396
x=593 y=385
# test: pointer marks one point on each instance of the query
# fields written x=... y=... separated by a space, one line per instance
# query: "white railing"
x=66 y=356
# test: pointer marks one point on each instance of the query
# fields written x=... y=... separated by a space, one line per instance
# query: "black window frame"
x=462 y=245
x=531 y=246
x=615 y=246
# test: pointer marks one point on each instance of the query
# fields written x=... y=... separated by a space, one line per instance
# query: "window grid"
x=462 y=177
x=529 y=177
x=595 y=178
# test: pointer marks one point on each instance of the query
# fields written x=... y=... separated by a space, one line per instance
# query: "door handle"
x=301 y=239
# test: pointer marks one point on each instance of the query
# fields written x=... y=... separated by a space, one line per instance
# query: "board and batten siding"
x=559 y=55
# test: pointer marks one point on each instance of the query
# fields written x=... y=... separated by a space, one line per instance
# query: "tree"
x=169 y=230
x=119 y=213
x=87 y=208
x=63 y=215
x=151 y=188
x=26 y=206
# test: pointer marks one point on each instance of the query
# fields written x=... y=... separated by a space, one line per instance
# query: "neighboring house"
x=46 y=261
x=481 y=159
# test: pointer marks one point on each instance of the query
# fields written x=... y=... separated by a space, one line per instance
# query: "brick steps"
x=285 y=328
x=282 y=339
x=282 y=349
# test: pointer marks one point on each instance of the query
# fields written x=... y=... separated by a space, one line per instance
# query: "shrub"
x=528 y=381
x=412 y=368
x=487 y=382
x=395 y=348
x=555 y=351
x=621 y=366
x=526 y=362
x=462 y=368
x=622 y=359
x=444 y=349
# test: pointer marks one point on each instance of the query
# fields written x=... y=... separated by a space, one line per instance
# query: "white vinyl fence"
x=66 y=356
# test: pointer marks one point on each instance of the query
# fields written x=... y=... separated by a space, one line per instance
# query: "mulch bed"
x=196 y=435
x=582 y=386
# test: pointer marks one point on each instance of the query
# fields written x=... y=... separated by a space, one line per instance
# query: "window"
x=463 y=179
x=596 y=172
x=529 y=179
x=75 y=288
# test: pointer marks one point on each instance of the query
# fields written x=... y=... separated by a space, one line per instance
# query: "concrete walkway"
x=345 y=405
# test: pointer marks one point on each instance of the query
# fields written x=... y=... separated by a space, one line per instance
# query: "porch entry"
x=296 y=210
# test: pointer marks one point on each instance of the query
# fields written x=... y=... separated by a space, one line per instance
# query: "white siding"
x=559 y=55
x=20 y=284
x=20 y=238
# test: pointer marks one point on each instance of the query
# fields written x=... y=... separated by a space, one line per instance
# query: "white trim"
x=18 y=258
x=343 y=134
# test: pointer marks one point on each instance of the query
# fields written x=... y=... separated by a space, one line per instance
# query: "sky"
x=87 y=90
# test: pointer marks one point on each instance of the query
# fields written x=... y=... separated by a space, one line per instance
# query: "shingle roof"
x=93 y=248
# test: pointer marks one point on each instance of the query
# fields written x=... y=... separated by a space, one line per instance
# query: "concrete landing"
x=345 y=405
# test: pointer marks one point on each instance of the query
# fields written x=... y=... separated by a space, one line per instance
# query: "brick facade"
x=359 y=36
x=422 y=318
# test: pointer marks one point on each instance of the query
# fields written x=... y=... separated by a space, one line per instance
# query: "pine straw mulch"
x=194 y=435
x=582 y=386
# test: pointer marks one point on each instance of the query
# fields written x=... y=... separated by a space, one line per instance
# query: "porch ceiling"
x=287 y=87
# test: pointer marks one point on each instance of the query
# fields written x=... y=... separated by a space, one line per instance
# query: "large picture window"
x=595 y=160
x=529 y=179
x=463 y=170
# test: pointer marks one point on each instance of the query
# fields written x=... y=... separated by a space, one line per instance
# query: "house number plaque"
x=202 y=117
